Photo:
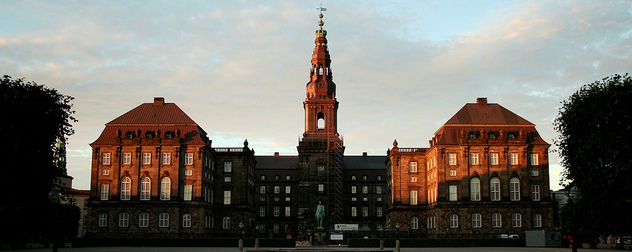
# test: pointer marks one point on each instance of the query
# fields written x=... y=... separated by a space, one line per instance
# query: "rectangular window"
x=276 y=228
x=365 y=189
x=188 y=172
x=186 y=220
x=127 y=158
x=454 y=221
x=412 y=166
x=105 y=172
x=378 y=190
x=516 y=220
x=288 y=189
x=497 y=220
x=413 y=179
x=143 y=220
x=354 y=211
x=494 y=187
x=474 y=158
x=262 y=211
x=453 y=193
x=277 y=211
x=533 y=158
x=413 y=198
x=452 y=173
x=262 y=189
x=378 y=211
x=227 y=197
x=188 y=192
x=163 y=220
x=228 y=179
x=537 y=220
x=277 y=189
x=166 y=158
x=535 y=192
x=451 y=158
x=476 y=220
x=493 y=158
x=353 y=189
x=288 y=211
x=103 y=220
x=226 y=223
x=365 y=211
x=105 y=159
x=514 y=189
x=321 y=169
x=513 y=159
x=354 y=199
x=321 y=188
x=535 y=173
x=146 y=158
x=105 y=192
x=228 y=166
x=414 y=223
x=188 y=159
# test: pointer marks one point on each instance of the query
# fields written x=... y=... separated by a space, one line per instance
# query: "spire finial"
x=320 y=32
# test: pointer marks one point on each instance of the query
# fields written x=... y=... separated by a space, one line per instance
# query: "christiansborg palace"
x=156 y=174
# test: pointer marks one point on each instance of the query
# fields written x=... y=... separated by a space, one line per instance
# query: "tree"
x=595 y=144
x=32 y=119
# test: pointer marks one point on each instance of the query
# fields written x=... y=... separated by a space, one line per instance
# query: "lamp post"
x=257 y=237
x=379 y=228
x=55 y=196
x=397 y=241
x=241 y=236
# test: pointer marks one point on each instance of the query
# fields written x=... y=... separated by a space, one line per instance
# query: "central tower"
x=321 y=148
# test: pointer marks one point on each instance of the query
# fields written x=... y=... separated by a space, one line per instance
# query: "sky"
x=239 y=68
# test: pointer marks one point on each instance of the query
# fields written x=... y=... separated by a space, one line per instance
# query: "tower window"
x=321 y=121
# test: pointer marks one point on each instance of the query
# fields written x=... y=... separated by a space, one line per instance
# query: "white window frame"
x=535 y=173
x=452 y=192
x=127 y=158
x=452 y=173
x=105 y=172
x=288 y=189
x=513 y=159
x=365 y=211
x=103 y=220
x=535 y=192
x=188 y=172
x=163 y=220
x=412 y=166
x=493 y=158
x=413 y=179
x=165 y=188
x=105 y=191
x=126 y=188
x=143 y=220
x=321 y=188
x=414 y=223
x=454 y=221
x=277 y=211
x=378 y=189
x=533 y=159
x=413 y=198
x=288 y=211
x=166 y=158
x=123 y=219
x=514 y=189
x=106 y=158
x=365 y=189
x=186 y=220
x=474 y=159
x=451 y=158
x=146 y=158
x=227 y=197
x=354 y=190
x=378 y=211
x=145 y=188
x=497 y=220
x=188 y=158
x=475 y=189
x=262 y=211
x=477 y=220
x=516 y=220
x=494 y=189
x=354 y=211
x=188 y=192
x=262 y=189
x=228 y=166
x=537 y=220
x=226 y=223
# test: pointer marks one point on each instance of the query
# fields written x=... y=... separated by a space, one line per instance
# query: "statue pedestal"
x=320 y=236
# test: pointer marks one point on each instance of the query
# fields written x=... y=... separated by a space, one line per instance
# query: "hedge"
x=141 y=242
x=412 y=242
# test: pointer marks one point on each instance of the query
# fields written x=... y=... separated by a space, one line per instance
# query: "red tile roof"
x=152 y=117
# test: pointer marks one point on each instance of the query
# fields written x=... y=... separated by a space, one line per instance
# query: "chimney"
x=159 y=101
x=276 y=154
x=481 y=101
x=364 y=154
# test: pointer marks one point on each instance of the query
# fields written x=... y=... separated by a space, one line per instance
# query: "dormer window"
x=150 y=134
x=492 y=135
x=169 y=134
x=472 y=135
x=129 y=135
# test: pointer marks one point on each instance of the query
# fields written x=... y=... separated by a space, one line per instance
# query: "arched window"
x=476 y=220
x=143 y=220
x=475 y=189
x=186 y=220
x=516 y=220
x=454 y=221
x=497 y=220
x=123 y=219
x=414 y=223
x=514 y=189
x=145 y=188
x=537 y=220
x=321 y=121
x=379 y=178
x=126 y=188
x=494 y=189
x=165 y=188
x=226 y=223
x=353 y=177
x=163 y=220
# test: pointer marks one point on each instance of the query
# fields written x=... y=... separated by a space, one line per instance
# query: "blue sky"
x=239 y=68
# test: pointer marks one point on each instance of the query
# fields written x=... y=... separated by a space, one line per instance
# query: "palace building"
x=155 y=174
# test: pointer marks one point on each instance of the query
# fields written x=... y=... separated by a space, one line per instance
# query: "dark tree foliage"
x=32 y=118
x=595 y=144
